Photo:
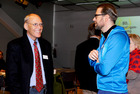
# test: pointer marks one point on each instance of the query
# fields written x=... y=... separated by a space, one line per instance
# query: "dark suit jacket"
x=85 y=73
x=19 y=59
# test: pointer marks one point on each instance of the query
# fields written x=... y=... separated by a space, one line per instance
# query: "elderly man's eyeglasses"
x=99 y=15
x=36 y=24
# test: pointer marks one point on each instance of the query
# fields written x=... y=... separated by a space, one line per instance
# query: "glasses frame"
x=36 y=24
x=99 y=15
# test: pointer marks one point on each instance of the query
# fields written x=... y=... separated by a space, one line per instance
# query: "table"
x=5 y=92
x=60 y=70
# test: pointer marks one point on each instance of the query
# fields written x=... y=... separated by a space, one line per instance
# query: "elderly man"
x=29 y=61
x=111 y=59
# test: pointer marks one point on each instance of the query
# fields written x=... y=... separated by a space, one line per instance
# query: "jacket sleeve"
x=12 y=73
x=111 y=54
x=91 y=62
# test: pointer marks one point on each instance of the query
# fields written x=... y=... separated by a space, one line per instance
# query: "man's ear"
x=26 y=26
x=107 y=17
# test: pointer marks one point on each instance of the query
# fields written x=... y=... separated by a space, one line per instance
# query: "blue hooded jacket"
x=113 y=62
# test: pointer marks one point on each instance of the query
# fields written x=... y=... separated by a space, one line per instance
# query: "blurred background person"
x=2 y=62
x=85 y=73
x=133 y=75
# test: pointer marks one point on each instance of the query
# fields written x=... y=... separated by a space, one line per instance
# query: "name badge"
x=45 y=57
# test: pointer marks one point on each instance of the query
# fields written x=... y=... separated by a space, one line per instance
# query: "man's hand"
x=93 y=55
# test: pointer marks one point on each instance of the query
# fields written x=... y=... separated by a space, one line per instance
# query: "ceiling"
x=83 y=5
x=87 y=5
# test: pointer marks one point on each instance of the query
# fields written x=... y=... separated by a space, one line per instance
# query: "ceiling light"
x=22 y=3
x=60 y=0
x=88 y=3
x=122 y=0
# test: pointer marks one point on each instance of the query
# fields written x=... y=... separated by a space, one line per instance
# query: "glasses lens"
x=41 y=24
x=98 y=15
x=36 y=24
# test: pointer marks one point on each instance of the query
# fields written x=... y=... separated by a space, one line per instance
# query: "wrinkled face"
x=34 y=27
x=99 y=19
x=132 y=45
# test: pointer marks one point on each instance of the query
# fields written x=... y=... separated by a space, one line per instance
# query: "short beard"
x=98 y=27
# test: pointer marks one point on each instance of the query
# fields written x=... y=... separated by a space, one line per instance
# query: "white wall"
x=71 y=29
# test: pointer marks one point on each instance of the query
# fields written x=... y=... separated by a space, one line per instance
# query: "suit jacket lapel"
x=27 y=51
x=44 y=51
